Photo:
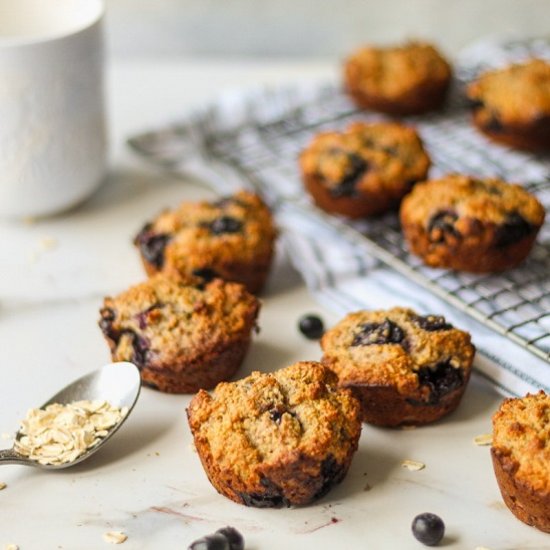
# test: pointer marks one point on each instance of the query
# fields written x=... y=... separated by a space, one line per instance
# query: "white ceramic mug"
x=53 y=150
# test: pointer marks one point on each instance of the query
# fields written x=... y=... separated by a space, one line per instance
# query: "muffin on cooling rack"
x=521 y=457
x=400 y=80
x=182 y=334
x=405 y=369
x=471 y=224
x=512 y=105
x=364 y=170
x=277 y=439
x=231 y=238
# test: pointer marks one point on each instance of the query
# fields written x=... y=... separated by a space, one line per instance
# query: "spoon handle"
x=9 y=456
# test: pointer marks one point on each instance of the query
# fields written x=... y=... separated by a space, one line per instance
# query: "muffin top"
x=266 y=420
x=459 y=204
x=398 y=348
x=380 y=157
x=237 y=227
x=181 y=319
x=393 y=72
x=517 y=94
x=521 y=436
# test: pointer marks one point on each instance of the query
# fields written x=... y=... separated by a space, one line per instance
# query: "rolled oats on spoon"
x=74 y=423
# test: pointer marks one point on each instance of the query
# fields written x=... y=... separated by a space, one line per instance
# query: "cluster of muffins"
x=189 y=325
x=460 y=222
x=285 y=438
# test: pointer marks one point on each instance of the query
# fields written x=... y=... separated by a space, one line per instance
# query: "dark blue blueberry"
x=432 y=323
x=514 y=228
x=441 y=380
x=428 y=529
x=205 y=273
x=493 y=124
x=276 y=415
x=311 y=326
x=442 y=223
x=152 y=245
x=143 y=315
x=386 y=332
x=356 y=168
x=235 y=539
x=106 y=321
x=217 y=541
x=331 y=473
x=225 y=224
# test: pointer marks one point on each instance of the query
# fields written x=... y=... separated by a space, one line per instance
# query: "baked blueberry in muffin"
x=182 y=334
x=365 y=170
x=512 y=105
x=471 y=224
x=403 y=367
x=231 y=238
x=277 y=439
x=399 y=80
x=521 y=457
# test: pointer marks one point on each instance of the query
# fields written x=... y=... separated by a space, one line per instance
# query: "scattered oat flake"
x=11 y=547
x=413 y=465
x=48 y=243
x=2 y=485
x=114 y=537
x=483 y=439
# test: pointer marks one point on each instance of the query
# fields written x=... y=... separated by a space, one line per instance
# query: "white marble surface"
x=147 y=481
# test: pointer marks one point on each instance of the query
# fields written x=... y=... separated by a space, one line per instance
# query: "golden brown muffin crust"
x=184 y=334
x=521 y=433
x=396 y=350
x=254 y=433
x=517 y=94
x=375 y=162
x=232 y=237
x=399 y=80
x=480 y=225
x=488 y=199
x=393 y=71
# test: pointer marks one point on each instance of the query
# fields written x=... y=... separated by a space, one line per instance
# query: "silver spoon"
x=117 y=383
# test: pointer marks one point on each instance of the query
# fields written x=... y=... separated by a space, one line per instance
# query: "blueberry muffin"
x=277 y=439
x=471 y=224
x=521 y=457
x=399 y=80
x=364 y=170
x=231 y=238
x=182 y=334
x=512 y=105
x=405 y=369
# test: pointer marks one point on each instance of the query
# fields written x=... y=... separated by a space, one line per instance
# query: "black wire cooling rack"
x=264 y=150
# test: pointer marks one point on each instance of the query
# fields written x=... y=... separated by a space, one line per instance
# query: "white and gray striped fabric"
x=338 y=269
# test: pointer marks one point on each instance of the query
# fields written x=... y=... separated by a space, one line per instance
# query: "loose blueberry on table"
x=311 y=326
x=226 y=538
x=428 y=529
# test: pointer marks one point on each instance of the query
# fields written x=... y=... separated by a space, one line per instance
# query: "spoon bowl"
x=117 y=383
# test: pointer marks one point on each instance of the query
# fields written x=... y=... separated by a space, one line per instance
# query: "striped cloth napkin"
x=240 y=136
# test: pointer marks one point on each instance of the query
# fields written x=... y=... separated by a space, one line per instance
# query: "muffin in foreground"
x=405 y=369
x=364 y=170
x=512 y=105
x=480 y=225
x=277 y=439
x=182 y=334
x=521 y=457
x=401 y=80
x=231 y=238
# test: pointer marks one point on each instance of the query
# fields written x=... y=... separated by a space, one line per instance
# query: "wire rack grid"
x=515 y=303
